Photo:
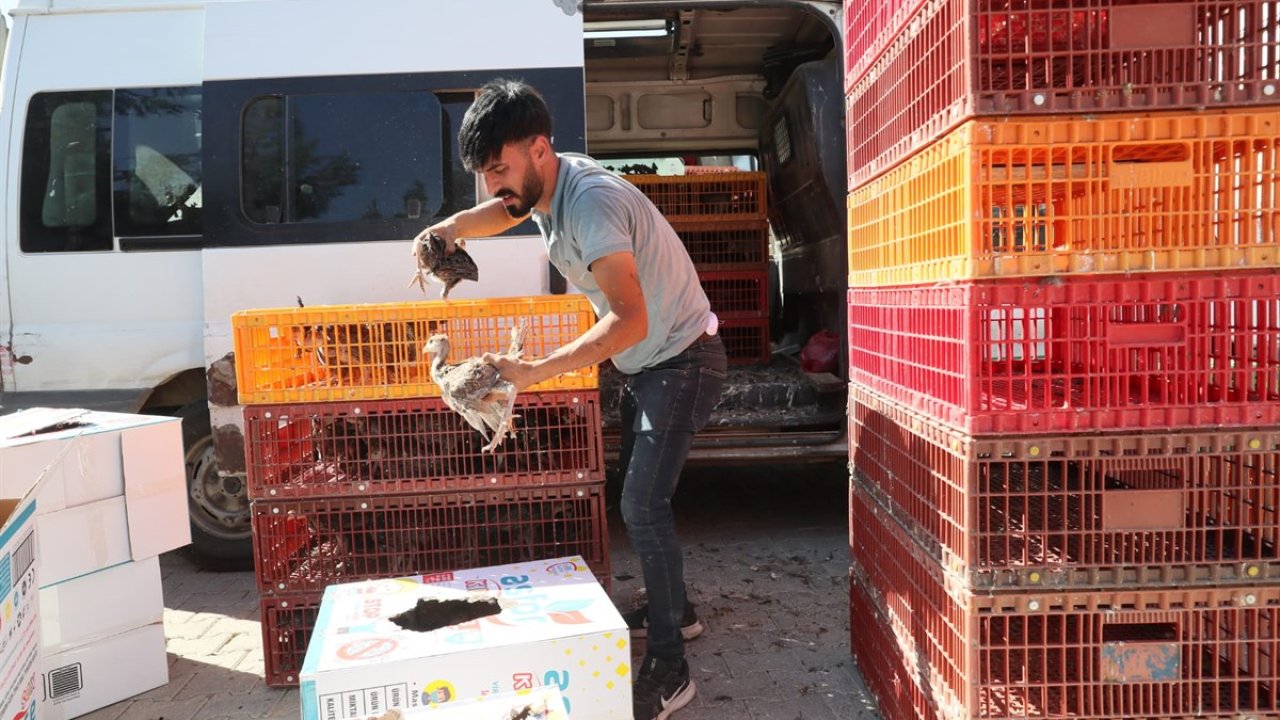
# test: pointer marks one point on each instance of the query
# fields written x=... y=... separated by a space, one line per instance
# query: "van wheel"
x=221 y=535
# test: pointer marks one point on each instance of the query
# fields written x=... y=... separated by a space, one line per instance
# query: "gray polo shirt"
x=595 y=213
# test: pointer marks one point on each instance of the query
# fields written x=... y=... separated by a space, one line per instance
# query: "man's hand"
x=520 y=373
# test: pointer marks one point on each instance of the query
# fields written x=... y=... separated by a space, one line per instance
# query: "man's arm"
x=484 y=220
x=626 y=324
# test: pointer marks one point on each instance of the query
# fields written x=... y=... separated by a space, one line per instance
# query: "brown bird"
x=434 y=264
x=474 y=389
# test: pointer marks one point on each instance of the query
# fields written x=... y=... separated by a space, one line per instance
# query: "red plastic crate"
x=287 y=622
x=869 y=25
x=741 y=245
x=1080 y=353
x=953 y=59
x=401 y=446
x=882 y=662
x=737 y=294
x=346 y=539
x=746 y=342
x=1116 y=510
x=1208 y=652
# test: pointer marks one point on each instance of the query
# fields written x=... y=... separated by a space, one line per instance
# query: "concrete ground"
x=767 y=558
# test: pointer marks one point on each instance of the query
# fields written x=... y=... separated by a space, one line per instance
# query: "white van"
x=167 y=163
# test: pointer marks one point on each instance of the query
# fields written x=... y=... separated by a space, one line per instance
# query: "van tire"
x=212 y=551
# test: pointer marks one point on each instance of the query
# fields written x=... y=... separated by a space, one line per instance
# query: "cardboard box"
x=89 y=677
x=115 y=486
x=101 y=604
x=82 y=450
x=543 y=703
x=553 y=626
x=19 y=606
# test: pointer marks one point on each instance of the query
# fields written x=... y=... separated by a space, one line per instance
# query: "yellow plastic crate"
x=374 y=352
x=706 y=198
x=1073 y=195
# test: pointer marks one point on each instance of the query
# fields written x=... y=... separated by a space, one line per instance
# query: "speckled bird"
x=474 y=389
x=448 y=270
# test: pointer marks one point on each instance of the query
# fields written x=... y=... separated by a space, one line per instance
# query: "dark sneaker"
x=638 y=622
x=661 y=688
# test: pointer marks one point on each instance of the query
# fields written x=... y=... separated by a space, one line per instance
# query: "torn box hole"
x=430 y=615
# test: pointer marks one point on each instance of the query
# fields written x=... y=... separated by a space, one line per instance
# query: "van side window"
x=157 y=171
x=341 y=158
x=66 y=170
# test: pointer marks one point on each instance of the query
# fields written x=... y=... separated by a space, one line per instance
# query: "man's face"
x=514 y=178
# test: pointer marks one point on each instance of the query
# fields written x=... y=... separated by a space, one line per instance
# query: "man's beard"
x=530 y=194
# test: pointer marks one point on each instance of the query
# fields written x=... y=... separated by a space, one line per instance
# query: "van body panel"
x=284 y=38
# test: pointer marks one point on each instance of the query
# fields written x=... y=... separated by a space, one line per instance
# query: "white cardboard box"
x=556 y=627
x=99 y=605
x=543 y=703
x=115 y=486
x=19 y=606
x=82 y=540
x=89 y=677
x=83 y=449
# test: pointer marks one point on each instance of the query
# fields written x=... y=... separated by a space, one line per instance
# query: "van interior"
x=677 y=90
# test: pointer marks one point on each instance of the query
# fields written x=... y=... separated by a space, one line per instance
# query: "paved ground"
x=767 y=557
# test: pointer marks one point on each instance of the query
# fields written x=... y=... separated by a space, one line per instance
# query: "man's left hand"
x=520 y=373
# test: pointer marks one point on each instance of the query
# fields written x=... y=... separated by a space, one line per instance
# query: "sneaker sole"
x=688 y=632
x=679 y=701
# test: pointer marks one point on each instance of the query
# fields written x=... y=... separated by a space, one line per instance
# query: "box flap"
x=155 y=489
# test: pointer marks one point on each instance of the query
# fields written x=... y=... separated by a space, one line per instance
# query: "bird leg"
x=503 y=429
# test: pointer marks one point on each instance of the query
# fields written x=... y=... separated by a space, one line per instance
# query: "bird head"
x=437 y=346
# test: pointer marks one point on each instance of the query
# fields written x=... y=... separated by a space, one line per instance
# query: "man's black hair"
x=505 y=111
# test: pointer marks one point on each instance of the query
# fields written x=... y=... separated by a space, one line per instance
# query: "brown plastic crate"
x=737 y=294
x=1115 y=510
x=726 y=245
x=1089 y=654
x=305 y=545
x=883 y=664
x=380 y=447
x=706 y=198
x=746 y=341
x=953 y=59
x=287 y=623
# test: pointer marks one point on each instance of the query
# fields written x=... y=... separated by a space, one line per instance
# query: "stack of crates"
x=358 y=470
x=721 y=217
x=1064 y=350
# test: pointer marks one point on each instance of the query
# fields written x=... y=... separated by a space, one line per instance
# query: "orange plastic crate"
x=374 y=352
x=305 y=545
x=1104 y=195
x=1076 y=510
x=703 y=198
x=936 y=64
x=726 y=245
x=1089 y=654
x=385 y=447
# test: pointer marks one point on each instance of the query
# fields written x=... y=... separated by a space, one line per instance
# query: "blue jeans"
x=662 y=407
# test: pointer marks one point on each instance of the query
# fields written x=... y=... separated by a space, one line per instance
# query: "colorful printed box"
x=545 y=624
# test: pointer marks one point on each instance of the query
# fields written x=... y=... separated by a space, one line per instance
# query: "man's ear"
x=541 y=148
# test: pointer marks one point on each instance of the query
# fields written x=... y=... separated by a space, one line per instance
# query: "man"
x=654 y=322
